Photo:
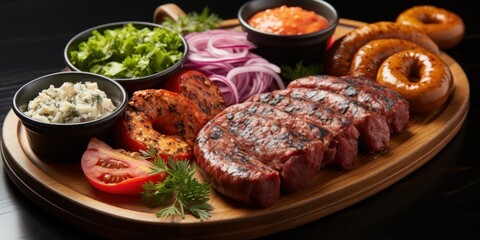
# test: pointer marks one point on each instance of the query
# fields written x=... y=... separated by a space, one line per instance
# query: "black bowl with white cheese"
x=58 y=140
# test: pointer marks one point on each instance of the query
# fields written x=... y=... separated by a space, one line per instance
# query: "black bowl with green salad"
x=138 y=55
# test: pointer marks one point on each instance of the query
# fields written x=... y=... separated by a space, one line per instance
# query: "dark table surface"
x=439 y=200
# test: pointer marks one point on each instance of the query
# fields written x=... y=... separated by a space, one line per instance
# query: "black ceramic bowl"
x=289 y=49
x=130 y=84
x=67 y=141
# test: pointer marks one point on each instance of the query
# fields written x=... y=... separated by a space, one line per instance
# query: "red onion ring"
x=224 y=57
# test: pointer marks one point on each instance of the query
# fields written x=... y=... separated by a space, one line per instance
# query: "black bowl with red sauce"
x=289 y=49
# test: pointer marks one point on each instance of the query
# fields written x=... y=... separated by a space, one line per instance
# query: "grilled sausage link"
x=339 y=56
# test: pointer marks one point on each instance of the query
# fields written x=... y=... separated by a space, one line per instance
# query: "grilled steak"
x=398 y=107
x=373 y=95
x=280 y=143
x=232 y=171
x=279 y=140
x=343 y=149
x=242 y=136
x=373 y=128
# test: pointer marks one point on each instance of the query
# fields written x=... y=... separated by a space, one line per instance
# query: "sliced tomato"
x=116 y=171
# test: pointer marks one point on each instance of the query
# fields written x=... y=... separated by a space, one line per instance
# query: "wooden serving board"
x=61 y=188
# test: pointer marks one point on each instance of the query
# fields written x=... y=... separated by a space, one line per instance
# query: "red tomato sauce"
x=288 y=21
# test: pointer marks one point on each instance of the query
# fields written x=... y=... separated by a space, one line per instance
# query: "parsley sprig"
x=179 y=192
x=193 y=22
x=290 y=73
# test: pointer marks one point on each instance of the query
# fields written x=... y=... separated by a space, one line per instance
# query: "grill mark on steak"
x=278 y=143
x=373 y=128
x=343 y=149
x=234 y=172
x=398 y=106
x=375 y=96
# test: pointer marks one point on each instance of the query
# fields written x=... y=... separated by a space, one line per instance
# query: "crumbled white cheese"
x=70 y=103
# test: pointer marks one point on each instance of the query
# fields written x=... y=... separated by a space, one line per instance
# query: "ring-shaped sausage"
x=369 y=57
x=339 y=56
x=444 y=27
x=423 y=78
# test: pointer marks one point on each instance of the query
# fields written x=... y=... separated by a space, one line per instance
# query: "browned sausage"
x=444 y=27
x=339 y=56
x=423 y=78
x=370 y=56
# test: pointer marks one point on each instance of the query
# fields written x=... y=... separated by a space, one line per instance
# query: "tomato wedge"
x=117 y=171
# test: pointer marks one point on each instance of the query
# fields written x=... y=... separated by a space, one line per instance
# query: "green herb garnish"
x=180 y=191
x=289 y=73
x=193 y=22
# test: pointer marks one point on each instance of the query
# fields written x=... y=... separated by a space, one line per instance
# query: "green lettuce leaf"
x=128 y=52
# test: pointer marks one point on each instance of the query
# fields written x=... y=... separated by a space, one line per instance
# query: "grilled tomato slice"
x=162 y=119
x=197 y=87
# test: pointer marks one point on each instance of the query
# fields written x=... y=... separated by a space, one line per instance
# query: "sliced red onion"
x=225 y=57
